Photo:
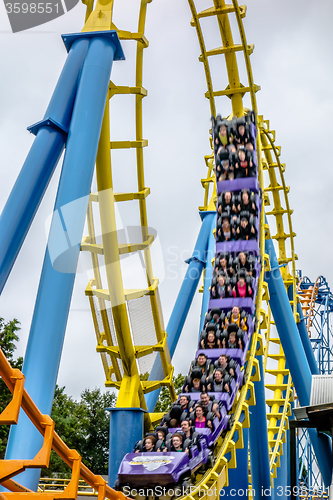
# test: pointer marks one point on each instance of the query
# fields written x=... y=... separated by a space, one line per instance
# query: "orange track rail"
x=308 y=302
x=14 y=379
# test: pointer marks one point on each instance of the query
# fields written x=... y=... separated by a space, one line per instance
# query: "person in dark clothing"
x=246 y=229
x=162 y=432
x=244 y=262
x=247 y=202
x=215 y=384
x=227 y=365
x=225 y=264
x=243 y=135
x=224 y=166
x=188 y=430
x=226 y=203
x=211 y=406
x=203 y=364
x=149 y=444
x=186 y=404
x=244 y=166
x=210 y=342
x=223 y=228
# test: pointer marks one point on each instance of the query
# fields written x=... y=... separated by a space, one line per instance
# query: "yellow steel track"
x=114 y=315
x=112 y=305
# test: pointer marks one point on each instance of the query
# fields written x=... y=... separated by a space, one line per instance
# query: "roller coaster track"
x=115 y=309
x=14 y=379
x=282 y=392
x=308 y=302
x=129 y=310
x=279 y=404
x=216 y=476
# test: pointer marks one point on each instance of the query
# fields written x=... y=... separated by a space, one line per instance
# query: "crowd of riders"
x=234 y=274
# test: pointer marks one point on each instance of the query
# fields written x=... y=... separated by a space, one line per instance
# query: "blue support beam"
x=304 y=335
x=281 y=480
x=259 y=451
x=208 y=274
x=37 y=170
x=123 y=422
x=306 y=342
x=295 y=355
x=182 y=306
x=239 y=478
x=49 y=321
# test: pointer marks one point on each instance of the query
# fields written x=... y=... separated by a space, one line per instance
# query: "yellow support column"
x=131 y=393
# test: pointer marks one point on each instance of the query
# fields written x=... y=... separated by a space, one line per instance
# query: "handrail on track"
x=45 y=425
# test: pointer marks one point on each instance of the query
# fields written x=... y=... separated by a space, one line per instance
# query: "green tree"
x=84 y=426
x=164 y=400
x=67 y=414
x=8 y=337
x=95 y=428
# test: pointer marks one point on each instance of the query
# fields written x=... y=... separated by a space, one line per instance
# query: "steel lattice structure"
x=115 y=310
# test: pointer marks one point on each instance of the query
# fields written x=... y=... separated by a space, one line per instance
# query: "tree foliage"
x=84 y=426
x=8 y=337
x=164 y=400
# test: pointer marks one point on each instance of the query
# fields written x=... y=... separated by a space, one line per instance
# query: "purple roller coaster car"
x=157 y=468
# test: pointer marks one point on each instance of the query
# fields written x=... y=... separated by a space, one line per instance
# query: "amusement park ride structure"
x=292 y=340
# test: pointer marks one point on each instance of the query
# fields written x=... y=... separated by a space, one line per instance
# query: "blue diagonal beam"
x=295 y=355
x=42 y=359
x=37 y=170
x=184 y=300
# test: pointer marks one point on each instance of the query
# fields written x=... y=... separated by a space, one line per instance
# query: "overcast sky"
x=292 y=63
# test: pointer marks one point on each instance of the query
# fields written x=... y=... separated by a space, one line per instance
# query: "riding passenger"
x=162 y=432
x=233 y=343
x=235 y=316
x=200 y=420
x=203 y=364
x=223 y=134
x=243 y=287
x=195 y=385
x=210 y=342
x=247 y=202
x=222 y=363
x=188 y=430
x=177 y=442
x=244 y=164
x=226 y=203
x=215 y=384
x=186 y=404
x=213 y=318
x=224 y=166
x=226 y=364
x=246 y=229
x=222 y=287
x=244 y=262
x=225 y=264
x=223 y=232
x=243 y=135
x=210 y=405
x=148 y=444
